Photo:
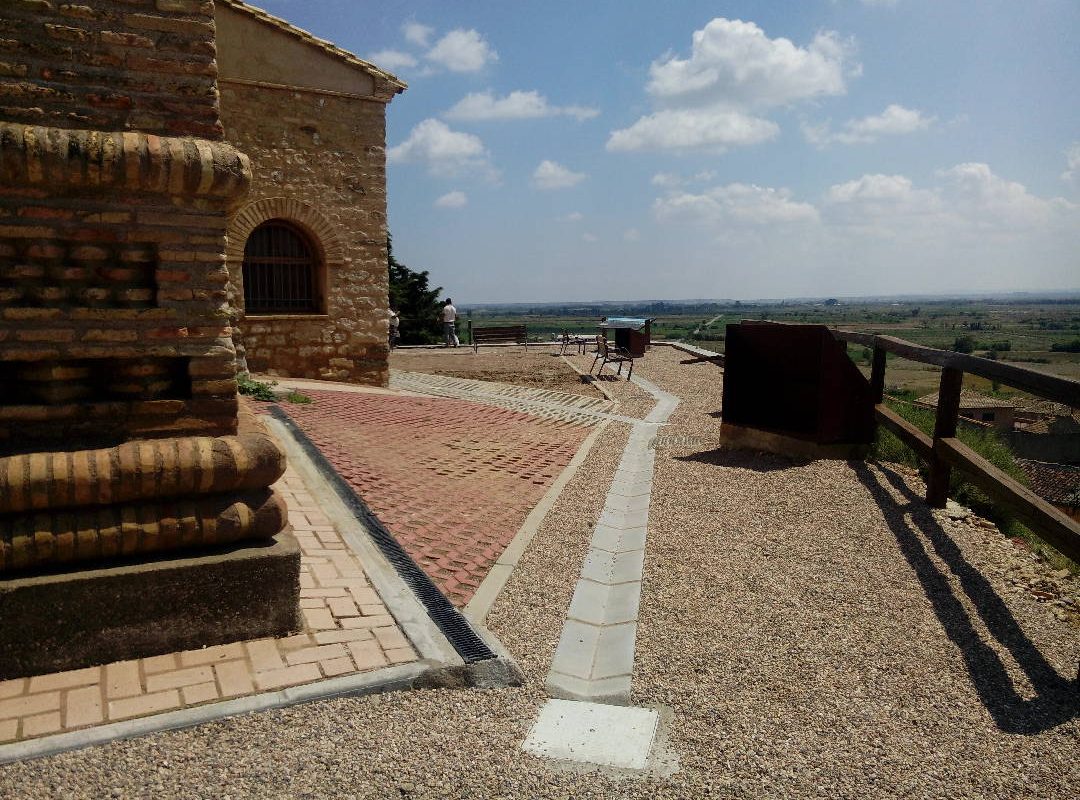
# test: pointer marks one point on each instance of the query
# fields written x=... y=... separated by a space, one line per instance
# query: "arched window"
x=280 y=271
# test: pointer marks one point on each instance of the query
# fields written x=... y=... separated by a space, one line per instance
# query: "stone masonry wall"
x=318 y=159
x=115 y=65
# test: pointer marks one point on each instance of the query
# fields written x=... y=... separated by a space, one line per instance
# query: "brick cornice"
x=35 y=156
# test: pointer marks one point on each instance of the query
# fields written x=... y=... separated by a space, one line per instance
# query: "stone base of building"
x=68 y=620
x=745 y=438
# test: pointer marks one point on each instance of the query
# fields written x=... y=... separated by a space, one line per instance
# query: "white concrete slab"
x=593 y=733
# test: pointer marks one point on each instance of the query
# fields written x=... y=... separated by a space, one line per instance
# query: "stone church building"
x=307 y=249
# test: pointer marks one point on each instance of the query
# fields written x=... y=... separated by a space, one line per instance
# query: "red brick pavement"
x=452 y=480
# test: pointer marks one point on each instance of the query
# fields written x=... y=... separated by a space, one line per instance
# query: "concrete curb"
x=594 y=659
x=405 y=676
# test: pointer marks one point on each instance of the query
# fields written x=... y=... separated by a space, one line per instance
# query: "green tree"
x=964 y=344
x=417 y=305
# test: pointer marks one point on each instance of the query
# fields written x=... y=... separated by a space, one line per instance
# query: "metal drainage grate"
x=447 y=619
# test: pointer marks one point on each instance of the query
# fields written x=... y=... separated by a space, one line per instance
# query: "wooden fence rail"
x=944 y=451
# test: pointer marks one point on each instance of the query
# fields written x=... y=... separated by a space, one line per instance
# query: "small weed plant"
x=264 y=390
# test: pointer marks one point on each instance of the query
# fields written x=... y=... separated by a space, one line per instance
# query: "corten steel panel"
x=795 y=380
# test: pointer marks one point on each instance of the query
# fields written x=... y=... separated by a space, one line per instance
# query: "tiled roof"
x=1052 y=425
x=969 y=400
x=1057 y=483
x=396 y=84
x=1034 y=405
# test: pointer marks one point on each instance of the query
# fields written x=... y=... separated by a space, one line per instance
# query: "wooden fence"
x=944 y=452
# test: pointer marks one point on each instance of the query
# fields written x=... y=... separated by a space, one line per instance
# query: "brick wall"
x=115 y=65
x=318 y=159
x=114 y=320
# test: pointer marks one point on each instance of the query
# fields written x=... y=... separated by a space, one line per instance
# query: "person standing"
x=449 y=317
x=395 y=327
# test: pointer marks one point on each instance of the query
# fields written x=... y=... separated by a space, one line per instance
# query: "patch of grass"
x=264 y=390
x=258 y=390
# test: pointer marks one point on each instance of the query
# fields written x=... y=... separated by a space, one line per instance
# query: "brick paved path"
x=347 y=630
x=453 y=480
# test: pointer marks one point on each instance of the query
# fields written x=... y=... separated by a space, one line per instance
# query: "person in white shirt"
x=449 y=317
x=395 y=327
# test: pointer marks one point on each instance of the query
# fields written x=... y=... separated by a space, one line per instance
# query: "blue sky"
x=623 y=150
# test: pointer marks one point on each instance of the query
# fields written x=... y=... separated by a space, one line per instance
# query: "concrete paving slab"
x=630 y=504
x=635 y=489
x=577 y=649
x=617 y=540
x=602 y=604
x=610 y=568
x=615 y=651
x=593 y=733
x=615 y=691
x=625 y=519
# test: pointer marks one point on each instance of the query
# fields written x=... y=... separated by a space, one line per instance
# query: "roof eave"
x=386 y=83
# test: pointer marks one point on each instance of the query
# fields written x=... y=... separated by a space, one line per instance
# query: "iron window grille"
x=279 y=271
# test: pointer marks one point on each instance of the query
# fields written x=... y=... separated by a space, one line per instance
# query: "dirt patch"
x=537 y=369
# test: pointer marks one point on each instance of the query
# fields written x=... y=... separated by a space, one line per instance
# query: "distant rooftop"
x=969 y=400
x=1057 y=483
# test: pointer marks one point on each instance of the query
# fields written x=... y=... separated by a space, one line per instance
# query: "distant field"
x=1023 y=333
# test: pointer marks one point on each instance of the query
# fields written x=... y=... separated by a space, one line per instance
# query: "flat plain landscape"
x=1039 y=333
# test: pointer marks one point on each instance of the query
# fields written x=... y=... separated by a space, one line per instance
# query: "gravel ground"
x=813 y=628
x=845 y=640
x=539 y=368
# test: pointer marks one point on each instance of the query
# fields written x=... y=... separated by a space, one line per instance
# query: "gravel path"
x=845 y=641
x=814 y=629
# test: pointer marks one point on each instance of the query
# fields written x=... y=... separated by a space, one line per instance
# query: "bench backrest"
x=500 y=333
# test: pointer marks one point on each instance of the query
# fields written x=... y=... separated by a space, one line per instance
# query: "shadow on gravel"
x=1057 y=699
x=744 y=459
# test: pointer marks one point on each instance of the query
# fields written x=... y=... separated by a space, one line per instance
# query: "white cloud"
x=453 y=199
x=573 y=216
x=1072 y=159
x=964 y=229
x=631 y=235
x=736 y=203
x=462 y=51
x=735 y=64
x=994 y=203
x=445 y=152
x=713 y=129
x=392 y=59
x=590 y=237
x=669 y=180
x=893 y=121
x=970 y=201
x=417 y=34
x=714 y=99
x=516 y=105
x=552 y=175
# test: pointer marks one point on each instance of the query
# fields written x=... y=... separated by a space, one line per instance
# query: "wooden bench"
x=499 y=334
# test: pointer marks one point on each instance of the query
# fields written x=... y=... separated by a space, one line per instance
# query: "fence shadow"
x=1057 y=698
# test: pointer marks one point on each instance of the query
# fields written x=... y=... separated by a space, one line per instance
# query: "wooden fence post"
x=948 y=408
x=877 y=375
